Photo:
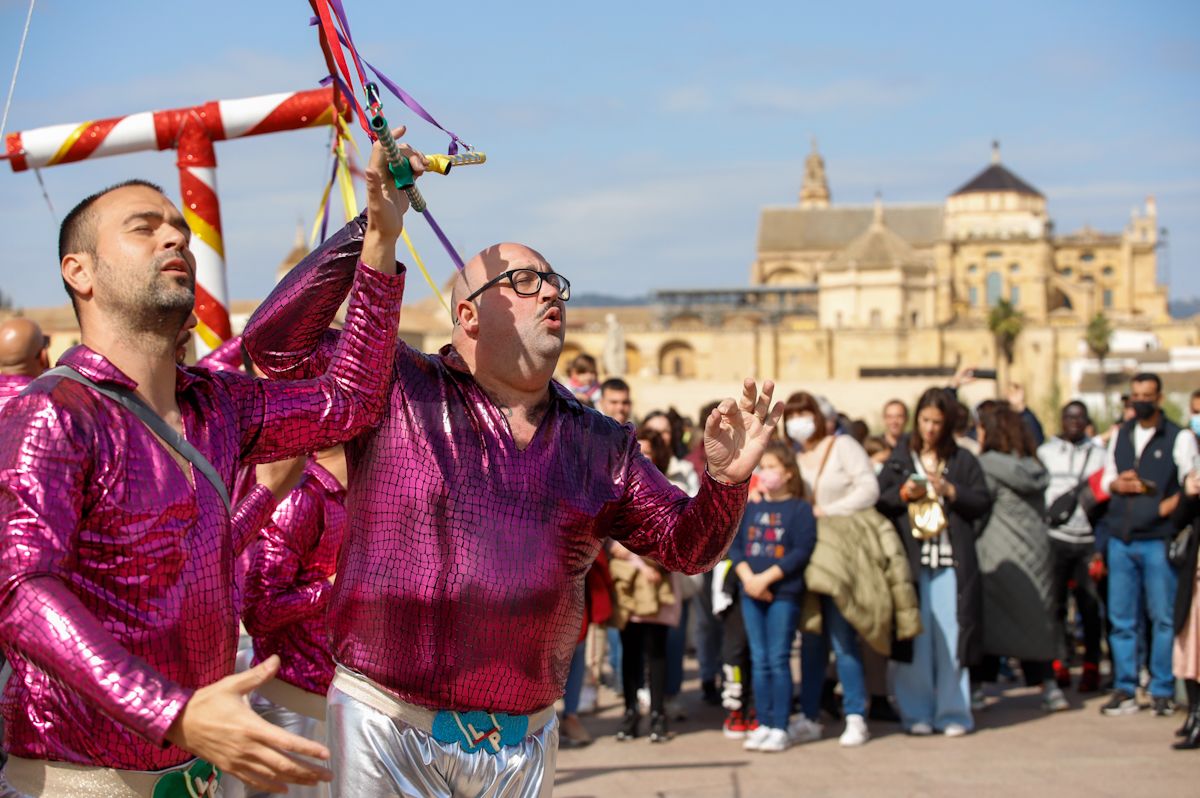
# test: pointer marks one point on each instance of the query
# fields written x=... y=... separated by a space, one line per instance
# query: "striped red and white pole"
x=192 y=132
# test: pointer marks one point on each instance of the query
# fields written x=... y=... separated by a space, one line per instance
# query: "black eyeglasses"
x=528 y=282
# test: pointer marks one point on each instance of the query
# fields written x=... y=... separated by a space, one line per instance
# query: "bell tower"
x=814 y=192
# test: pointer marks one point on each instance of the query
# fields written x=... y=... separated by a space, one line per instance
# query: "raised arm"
x=690 y=535
x=288 y=336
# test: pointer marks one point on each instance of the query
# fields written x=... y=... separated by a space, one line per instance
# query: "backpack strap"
x=157 y=424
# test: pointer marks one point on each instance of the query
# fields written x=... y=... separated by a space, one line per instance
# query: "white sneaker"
x=754 y=738
x=920 y=729
x=775 y=741
x=803 y=730
x=955 y=730
x=856 y=732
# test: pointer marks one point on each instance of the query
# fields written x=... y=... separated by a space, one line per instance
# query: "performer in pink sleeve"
x=116 y=552
x=23 y=356
x=287 y=596
x=476 y=508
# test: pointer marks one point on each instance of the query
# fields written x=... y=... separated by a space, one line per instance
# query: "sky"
x=634 y=144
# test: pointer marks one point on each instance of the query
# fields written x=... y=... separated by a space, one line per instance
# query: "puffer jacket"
x=861 y=563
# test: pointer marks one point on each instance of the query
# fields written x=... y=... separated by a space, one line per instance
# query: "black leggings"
x=988 y=670
x=644 y=646
x=1071 y=565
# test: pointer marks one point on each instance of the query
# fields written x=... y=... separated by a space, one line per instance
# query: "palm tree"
x=1097 y=336
x=1006 y=323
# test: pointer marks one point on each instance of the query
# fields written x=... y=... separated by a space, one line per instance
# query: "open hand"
x=736 y=434
x=218 y=725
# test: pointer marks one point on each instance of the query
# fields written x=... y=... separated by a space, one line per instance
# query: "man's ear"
x=77 y=272
x=468 y=318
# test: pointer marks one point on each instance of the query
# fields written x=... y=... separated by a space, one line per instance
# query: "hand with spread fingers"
x=218 y=725
x=737 y=433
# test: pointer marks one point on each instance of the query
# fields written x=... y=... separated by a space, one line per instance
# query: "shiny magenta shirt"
x=116 y=590
x=11 y=386
x=288 y=587
x=460 y=584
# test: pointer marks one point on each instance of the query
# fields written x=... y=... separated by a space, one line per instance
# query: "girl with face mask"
x=769 y=554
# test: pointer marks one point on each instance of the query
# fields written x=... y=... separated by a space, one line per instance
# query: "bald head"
x=494 y=261
x=22 y=348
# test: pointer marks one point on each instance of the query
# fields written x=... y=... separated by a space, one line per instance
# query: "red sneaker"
x=1062 y=674
x=1089 y=682
x=735 y=726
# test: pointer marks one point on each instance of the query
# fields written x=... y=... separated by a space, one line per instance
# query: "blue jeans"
x=770 y=627
x=814 y=655
x=934 y=688
x=614 y=654
x=575 y=681
x=1135 y=570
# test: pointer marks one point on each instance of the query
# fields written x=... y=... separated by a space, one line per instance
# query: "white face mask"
x=800 y=428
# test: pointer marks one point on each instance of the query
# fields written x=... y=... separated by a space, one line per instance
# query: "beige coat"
x=860 y=561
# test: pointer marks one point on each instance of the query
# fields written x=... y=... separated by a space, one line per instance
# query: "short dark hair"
x=660 y=453
x=1087 y=415
x=1195 y=394
x=77 y=233
x=614 y=384
x=900 y=402
x=582 y=363
x=1148 y=376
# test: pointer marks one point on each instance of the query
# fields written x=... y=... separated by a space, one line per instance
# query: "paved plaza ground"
x=1017 y=752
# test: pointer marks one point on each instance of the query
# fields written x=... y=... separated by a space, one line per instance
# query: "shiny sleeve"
x=44 y=459
x=274 y=598
x=252 y=514
x=287 y=335
x=282 y=418
x=656 y=519
x=47 y=624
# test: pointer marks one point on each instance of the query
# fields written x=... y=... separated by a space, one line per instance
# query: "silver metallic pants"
x=293 y=722
x=376 y=756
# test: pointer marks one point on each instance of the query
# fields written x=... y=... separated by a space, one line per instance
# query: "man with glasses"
x=24 y=355
x=476 y=509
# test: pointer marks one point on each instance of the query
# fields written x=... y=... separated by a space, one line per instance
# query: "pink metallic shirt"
x=116 y=592
x=288 y=587
x=11 y=386
x=461 y=580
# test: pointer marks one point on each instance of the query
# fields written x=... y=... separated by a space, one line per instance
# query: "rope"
x=12 y=86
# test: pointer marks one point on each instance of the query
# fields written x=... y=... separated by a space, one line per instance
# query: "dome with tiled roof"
x=997 y=178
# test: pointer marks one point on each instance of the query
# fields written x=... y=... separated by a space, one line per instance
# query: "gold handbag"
x=927 y=517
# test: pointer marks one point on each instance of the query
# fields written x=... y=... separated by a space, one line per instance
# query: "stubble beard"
x=160 y=306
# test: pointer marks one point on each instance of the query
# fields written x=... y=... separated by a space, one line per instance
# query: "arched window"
x=995 y=287
x=677 y=359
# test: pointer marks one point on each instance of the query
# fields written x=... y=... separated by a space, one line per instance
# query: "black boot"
x=658 y=727
x=1193 y=695
x=629 y=725
x=1192 y=740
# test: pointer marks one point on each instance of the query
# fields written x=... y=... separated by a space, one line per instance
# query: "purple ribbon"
x=437 y=231
x=347 y=41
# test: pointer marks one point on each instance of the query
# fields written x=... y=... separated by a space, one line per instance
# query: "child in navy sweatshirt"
x=769 y=554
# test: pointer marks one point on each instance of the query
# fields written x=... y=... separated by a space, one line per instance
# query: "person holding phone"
x=1148 y=458
x=932 y=688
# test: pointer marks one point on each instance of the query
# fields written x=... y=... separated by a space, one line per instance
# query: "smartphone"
x=1149 y=486
x=920 y=480
x=984 y=374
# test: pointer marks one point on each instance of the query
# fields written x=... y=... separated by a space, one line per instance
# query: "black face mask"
x=1144 y=411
